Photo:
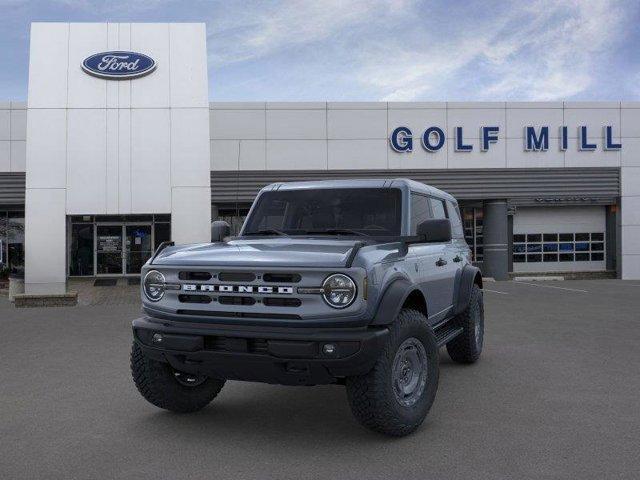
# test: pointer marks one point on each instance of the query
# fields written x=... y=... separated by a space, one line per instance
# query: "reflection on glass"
x=109 y=249
x=138 y=245
x=81 y=249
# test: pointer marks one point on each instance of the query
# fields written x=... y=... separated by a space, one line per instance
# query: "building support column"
x=45 y=241
x=496 y=240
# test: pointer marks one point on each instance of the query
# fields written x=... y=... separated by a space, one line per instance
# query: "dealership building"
x=118 y=148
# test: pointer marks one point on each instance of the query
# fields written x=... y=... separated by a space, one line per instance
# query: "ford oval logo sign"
x=118 y=65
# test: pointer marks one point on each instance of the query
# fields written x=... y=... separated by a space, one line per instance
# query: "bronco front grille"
x=233 y=344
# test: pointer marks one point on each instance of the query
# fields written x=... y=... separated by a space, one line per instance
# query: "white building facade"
x=95 y=171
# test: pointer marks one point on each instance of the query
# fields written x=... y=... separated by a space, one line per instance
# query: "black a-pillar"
x=495 y=240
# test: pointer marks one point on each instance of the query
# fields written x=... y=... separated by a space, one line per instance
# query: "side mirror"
x=219 y=230
x=435 y=230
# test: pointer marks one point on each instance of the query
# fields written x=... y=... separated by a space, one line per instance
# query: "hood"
x=264 y=252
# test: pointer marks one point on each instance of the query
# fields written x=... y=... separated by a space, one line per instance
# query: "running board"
x=446 y=333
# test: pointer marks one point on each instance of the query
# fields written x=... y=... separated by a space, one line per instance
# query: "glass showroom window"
x=12 y=240
x=558 y=247
x=4 y=266
x=234 y=215
x=472 y=223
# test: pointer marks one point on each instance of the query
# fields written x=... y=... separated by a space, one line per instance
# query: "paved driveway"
x=555 y=395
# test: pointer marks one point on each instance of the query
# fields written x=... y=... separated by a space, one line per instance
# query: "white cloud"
x=260 y=29
x=545 y=51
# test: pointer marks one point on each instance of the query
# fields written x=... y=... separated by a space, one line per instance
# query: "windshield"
x=336 y=211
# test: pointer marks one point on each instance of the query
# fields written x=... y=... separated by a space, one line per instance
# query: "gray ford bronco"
x=350 y=282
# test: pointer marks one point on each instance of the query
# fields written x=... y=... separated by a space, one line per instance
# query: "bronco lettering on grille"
x=259 y=289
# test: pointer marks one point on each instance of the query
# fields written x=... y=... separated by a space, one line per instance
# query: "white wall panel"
x=45 y=241
x=86 y=91
x=113 y=43
x=86 y=161
x=630 y=120
x=124 y=161
x=495 y=157
x=420 y=105
x=253 y=155
x=471 y=119
x=631 y=239
x=112 y=162
x=152 y=91
x=237 y=124
x=357 y=154
x=190 y=165
x=5 y=156
x=296 y=105
x=150 y=161
x=630 y=181
x=630 y=267
x=592 y=118
x=598 y=158
x=48 y=62
x=356 y=105
x=517 y=157
x=5 y=124
x=191 y=215
x=296 y=124
x=124 y=86
x=47 y=148
x=630 y=211
x=356 y=124
x=18 y=124
x=188 y=53
x=296 y=154
x=418 y=120
x=18 y=156
x=630 y=153
x=518 y=118
x=224 y=154
x=418 y=158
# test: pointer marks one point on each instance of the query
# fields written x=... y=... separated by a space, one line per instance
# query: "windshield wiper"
x=269 y=231
x=338 y=231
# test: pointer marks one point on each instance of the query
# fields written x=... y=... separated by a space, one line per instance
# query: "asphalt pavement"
x=556 y=394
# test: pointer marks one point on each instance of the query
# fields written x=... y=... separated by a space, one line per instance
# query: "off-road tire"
x=371 y=396
x=157 y=384
x=465 y=348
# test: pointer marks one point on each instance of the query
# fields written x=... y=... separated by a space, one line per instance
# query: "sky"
x=377 y=50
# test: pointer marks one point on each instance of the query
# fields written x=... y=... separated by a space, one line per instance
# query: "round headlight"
x=153 y=285
x=338 y=290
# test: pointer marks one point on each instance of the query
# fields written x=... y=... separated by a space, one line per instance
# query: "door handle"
x=441 y=262
x=457 y=258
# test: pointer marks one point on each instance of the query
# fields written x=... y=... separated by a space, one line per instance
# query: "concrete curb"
x=23 y=300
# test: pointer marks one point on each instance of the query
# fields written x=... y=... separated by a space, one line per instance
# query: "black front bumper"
x=288 y=356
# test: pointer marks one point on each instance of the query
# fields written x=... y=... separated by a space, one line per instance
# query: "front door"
x=122 y=249
x=109 y=258
x=138 y=247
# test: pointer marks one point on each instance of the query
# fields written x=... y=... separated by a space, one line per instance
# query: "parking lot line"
x=495 y=291
x=552 y=286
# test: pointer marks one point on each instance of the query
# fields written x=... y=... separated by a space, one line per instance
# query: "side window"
x=456 y=221
x=437 y=206
x=419 y=211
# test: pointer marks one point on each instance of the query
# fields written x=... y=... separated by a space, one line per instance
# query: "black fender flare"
x=392 y=300
x=468 y=277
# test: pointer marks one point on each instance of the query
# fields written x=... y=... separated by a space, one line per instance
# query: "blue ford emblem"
x=118 y=65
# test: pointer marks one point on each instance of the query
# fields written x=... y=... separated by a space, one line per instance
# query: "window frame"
x=412 y=230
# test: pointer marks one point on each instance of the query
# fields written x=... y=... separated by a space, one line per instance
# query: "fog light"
x=157 y=338
x=329 y=348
